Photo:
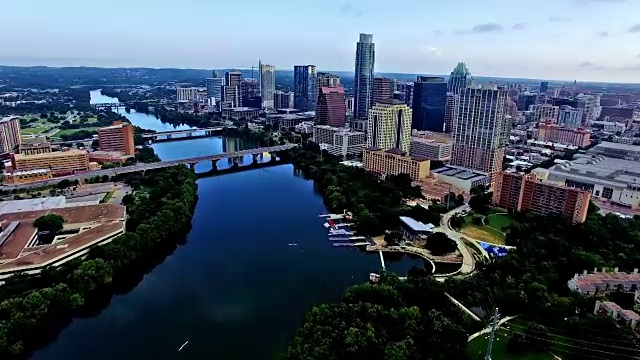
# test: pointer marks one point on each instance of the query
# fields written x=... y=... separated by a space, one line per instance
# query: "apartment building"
x=25 y=176
x=9 y=134
x=394 y=162
x=431 y=148
x=34 y=146
x=557 y=134
x=339 y=141
x=545 y=112
x=186 y=94
x=520 y=192
x=118 y=137
x=60 y=162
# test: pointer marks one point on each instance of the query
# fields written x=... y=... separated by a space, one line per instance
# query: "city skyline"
x=566 y=40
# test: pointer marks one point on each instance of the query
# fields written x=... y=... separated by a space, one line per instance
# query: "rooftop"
x=7 y=118
x=617 y=146
x=69 y=152
x=604 y=170
x=459 y=172
x=416 y=225
x=14 y=206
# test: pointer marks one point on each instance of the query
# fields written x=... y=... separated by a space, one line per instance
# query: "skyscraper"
x=214 y=88
x=327 y=80
x=331 y=108
x=450 y=111
x=232 y=88
x=459 y=79
x=480 y=130
x=365 y=59
x=390 y=125
x=304 y=87
x=544 y=86
x=429 y=103
x=284 y=100
x=380 y=90
x=9 y=134
x=117 y=137
x=267 y=80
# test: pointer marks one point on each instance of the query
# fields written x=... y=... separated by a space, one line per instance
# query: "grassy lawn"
x=478 y=346
x=492 y=232
x=107 y=197
x=34 y=130
x=59 y=134
x=499 y=221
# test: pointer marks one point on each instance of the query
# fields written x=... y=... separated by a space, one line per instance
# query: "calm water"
x=236 y=290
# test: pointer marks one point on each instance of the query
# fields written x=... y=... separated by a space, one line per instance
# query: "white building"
x=570 y=117
x=186 y=94
x=339 y=141
x=430 y=148
x=389 y=126
x=267 y=85
x=545 y=112
x=461 y=178
x=591 y=109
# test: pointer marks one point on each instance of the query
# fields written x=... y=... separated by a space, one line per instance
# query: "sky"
x=584 y=40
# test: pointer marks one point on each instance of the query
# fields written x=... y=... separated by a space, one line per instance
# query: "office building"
x=570 y=118
x=460 y=178
x=450 y=111
x=327 y=80
x=544 y=86
x=118 y=137
x=240 y=113
x=331 y=107
x=432 y=147
x=520 y=192
x=380 y=90
x=305 y=87
x=480 y=131
x=186 y=94
x=525 y=101
x=18 y=177
x=459 y=79
x=616 y=151
x=389 y=126
x=394 y=162
x=349 y=103
x=429 y=103
x=59 y=162
x=9 y=134
x=37 y=145
x=233 y=88
x=284 y=100
x=365 y=60
x=267 y=80
x=590 y=106
x=214 y=89
x=339 y=141
x=545 y=112
x=403 y=92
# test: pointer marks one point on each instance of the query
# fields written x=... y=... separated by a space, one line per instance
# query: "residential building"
x=429 y=103
x=339 y=141
x=327 y=80
x=403 y=92
x=617 y=112
x=250 y=90
x=480 y=130
x=267 y=80
x=305 y=87
x=450 y=111
x=604 y=282
x=186 y=94
x=389 y=126
x=118 y=137
x=459 y=79
x=519 y=192
x=331 y=107
x=431 y=148
x=557 y=134
x=214 y=88
x=612 y=180
x=525 y=100
x=233 y=88
x=394 y=162
x=569 y=117
x=611 y=127
x=9 y=134
x=38 y=145
x=349 y=102
x=380 y=90
x=365 y=60
x=544 y=112
x=359 y=124
x=590 y=105
x=59 y=162
x=284 y=100
x=460 y=178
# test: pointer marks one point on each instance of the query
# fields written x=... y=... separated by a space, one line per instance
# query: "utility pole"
x=494 y=326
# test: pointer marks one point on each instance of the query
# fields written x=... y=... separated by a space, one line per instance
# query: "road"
x=468 y=262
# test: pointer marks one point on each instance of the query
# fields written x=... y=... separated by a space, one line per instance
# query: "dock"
x=351 y=244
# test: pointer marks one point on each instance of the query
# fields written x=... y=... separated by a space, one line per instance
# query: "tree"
x=456 y=221
x=393 y=237
x=480 y=202
x=439 y=244
x=95 y=144
x=50 y=222
x=478 y=220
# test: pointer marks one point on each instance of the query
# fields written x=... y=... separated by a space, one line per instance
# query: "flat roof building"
x=554 y=133
x=331 y=108
x=461 y=178
x=339 y=141
x=616 y=150
x=389 y=125
x=60 y=162
x=118 y=137
x=38 y=145
x=394 y=162
x=432 y=148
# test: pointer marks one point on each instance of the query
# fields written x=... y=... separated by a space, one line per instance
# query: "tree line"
x=34 y=308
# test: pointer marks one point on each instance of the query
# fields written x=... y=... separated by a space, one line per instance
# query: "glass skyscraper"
x=267 y=80
x=305 y=87
x=429 y=103
x=459 y=79
x=365 y=59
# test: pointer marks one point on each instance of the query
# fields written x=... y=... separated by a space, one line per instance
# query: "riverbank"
x=34 y=309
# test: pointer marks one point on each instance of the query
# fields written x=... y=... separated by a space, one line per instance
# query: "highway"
x=148 y=166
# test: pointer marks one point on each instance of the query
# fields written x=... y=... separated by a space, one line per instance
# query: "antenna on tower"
x=494 y=326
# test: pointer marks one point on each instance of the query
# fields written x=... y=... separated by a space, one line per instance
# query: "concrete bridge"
x=109 y=105
x=188 y=134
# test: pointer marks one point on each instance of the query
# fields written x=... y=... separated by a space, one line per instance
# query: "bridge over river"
x=191 y=162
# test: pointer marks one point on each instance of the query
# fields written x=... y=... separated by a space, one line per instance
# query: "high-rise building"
x=403 y=92
x=431 y=148
x=545 y=112
x=9 y=134
x=350 y=101
x=525 y=100
x=233 y=88
x=389 y=126
x=339 y=141
x=214 y=88
x=331 y=108
x=570 y=118
x=117 y=137
x=365 y=60
x=186 y=94
x=590 y=106
x=429 y=103
x=544 y=86
x=284 y=100
x=519 y=192
x=459 y=79
x=267 y=80
x=480 y=130
x=380 y=90
x=450 y=111
x=327 y=80
x=304 y=87
x=250 y=90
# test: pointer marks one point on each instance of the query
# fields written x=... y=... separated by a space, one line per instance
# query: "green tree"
x=439 y=244
x=393 y=237
x=50 y=222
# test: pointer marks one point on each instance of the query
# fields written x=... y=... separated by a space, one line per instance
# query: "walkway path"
x=488 y=328
x=446 y=228
x=464 y=308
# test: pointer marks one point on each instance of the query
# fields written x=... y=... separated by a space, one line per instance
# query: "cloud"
x=638 y=56
x=593 y=66
x=603 y=34
x=437 y=32
x=558 y=19
x=587 y=64
x=519 y=26
x=349 y=10
x=430 y=50
x=635 y=28
x=482 y=29
x=345 y=9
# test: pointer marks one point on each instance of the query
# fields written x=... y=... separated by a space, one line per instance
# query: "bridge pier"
x=189 y=134
x=273 y=157
x=192 y=166
x=255 y=158
x=214 y=165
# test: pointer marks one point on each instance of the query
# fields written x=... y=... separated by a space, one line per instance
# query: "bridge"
x=235 y=157
x=185 y=134
x=109 y=105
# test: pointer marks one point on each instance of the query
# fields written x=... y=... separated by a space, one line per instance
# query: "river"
x=236 y=289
